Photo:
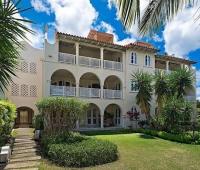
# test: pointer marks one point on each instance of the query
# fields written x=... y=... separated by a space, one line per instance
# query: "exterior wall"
x=29 y=54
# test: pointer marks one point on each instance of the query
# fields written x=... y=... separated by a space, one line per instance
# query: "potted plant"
x=38 y=124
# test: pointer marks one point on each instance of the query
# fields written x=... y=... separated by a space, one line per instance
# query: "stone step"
x=25 y=143
x=24 y=155
x=17 y=140
x=23 y=165
x=16 y=148
x=27 y=169
x=31 y=158
x=25 y=151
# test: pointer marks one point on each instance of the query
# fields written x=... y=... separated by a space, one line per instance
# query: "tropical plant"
x=60 y=113
x=12 y=30
x=180 y=81
x=143 y=97
x=161 y=89
x=157 y=13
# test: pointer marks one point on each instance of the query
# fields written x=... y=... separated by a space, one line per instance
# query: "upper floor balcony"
x=90 y=56
x=63 y=83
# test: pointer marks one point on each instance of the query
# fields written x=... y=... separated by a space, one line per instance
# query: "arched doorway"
x=91 y=119
x=112 y=116
x=63 y=83
x=24 y=117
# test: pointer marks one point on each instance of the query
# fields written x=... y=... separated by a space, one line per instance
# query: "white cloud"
x=182 y=34
x=71 y=16
x=111 y=3
x=126 y=41
x=156 y=38
x=40 y=6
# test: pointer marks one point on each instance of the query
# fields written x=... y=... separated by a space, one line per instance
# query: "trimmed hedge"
x=187 y=138
x=75 y=150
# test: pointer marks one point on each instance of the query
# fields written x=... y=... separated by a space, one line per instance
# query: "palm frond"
x=158 y=12
x=129 y=11
x=12 y=30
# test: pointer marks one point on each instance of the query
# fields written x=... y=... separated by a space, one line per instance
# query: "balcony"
x=112 y=65
x=90 y=92
x=62 y=91
x=112 y=94
x=89 y=62
x=66 y=58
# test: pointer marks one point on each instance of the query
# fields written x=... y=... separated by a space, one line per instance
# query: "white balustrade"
x=113 y=65
x=89 y=61
x=112 y=94
x=90 y=92
x=62 y=90
x=66 y=58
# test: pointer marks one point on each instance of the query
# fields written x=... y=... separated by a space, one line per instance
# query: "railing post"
x=77 y=52
x=102 y=58
x=167 y=66
x=63 y=90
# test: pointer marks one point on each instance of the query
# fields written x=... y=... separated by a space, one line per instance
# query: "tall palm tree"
x=157 y=13
x=180 y=81
x=143 y=97
x=12 y=30
x=161 y=88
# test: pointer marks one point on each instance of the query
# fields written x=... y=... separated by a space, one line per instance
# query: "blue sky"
x=180 y=37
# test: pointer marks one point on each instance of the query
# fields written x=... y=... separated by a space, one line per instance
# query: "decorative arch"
x=24 y=116
x=112 y=82
x=112 y=115
x=90 y=77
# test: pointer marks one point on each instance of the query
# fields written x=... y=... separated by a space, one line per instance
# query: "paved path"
x=26 y=152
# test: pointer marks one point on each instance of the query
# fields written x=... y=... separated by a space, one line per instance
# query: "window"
x=33 y=68
x=24 y=90
x=33 y=91
x=134 y=86
x=147 y=60
x=133 y=58
x=15 y=89
x=117 y=116
x=24 y=67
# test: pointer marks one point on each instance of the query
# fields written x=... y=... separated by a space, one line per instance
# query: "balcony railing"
x=89 y=61
x=66 y=58
x=113 y=65
x=112 y=94
x=90 y=92
x=163 y=70
x=62 y=90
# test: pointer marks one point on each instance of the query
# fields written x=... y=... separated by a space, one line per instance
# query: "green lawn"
x=138 y=151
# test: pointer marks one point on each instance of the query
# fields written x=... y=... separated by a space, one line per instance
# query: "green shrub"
x=182 y=137
x=7 y=117
x=75 y=150
x=38 y=122
x=88 y=152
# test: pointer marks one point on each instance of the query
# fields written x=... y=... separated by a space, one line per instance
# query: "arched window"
x=133 y=58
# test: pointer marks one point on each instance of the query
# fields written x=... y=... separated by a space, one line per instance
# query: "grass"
x=139 y=151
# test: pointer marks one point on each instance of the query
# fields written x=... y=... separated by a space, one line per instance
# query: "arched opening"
x=92 y=117
x=112 y=88
x=24 y=117
x=63 y=83
x=89 y=86
x=112 y=116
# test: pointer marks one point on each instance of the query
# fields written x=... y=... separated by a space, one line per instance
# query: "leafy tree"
x=143 y=97
x=157 y=13
x=180 y=81
x=161 y=89
x=12 y=30
x=60 y=113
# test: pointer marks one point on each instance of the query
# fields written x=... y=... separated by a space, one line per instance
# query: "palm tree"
x=161 y=88
x=180 y=81
x=157 y=13
x=143 y=97
x=12 y=30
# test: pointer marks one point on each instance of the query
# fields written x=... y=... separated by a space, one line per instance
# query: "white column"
x=167 y=66
x=77 y=125
x=102 y=121
x=101 y=54
x=182 y=66
x=77 y=89
x=77 y=52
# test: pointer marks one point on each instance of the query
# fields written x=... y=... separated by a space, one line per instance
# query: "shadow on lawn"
x=146 y=136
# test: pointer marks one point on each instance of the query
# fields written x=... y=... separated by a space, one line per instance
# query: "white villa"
x=93 y=69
